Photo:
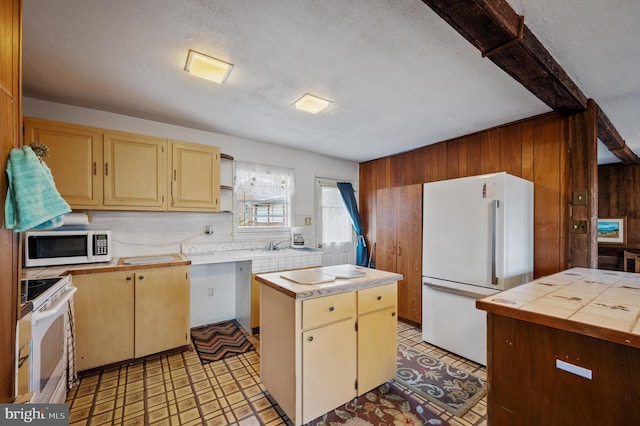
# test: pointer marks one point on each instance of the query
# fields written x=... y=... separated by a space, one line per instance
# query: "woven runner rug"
x=452 y=389
x=383 y=406
x=220 y=340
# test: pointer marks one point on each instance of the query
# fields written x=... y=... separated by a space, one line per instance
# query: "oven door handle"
x=54 y=310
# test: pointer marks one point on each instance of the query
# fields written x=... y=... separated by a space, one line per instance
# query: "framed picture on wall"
x=612 y=230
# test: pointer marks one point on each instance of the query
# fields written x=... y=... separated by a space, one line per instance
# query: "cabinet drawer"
x=375 y=298
x=324 y=310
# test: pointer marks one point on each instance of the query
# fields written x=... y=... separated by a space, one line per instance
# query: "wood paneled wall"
x=536 y=149
x=618 y=196
x=10 y=124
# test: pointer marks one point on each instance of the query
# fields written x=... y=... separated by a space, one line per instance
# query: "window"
x=336 y=222
x=263 y=195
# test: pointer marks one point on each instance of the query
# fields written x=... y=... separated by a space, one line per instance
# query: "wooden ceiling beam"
x=495 y=29
x=501 y=35
x=610 y=137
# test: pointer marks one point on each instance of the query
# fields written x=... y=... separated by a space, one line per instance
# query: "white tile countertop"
x=598 y=303
x=371 y=278
x=261 y=260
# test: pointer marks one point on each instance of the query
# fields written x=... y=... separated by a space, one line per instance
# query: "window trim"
x=290 y=172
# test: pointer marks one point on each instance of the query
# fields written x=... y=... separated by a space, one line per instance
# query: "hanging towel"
x=32 y=198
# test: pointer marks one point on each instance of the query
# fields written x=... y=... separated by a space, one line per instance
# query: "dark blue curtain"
x=346 y=190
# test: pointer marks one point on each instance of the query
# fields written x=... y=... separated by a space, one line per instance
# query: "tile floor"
x=176 y=389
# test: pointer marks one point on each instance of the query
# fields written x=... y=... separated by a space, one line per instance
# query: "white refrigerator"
x=477 y=241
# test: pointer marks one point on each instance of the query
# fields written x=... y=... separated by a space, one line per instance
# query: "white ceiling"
x=399 y=76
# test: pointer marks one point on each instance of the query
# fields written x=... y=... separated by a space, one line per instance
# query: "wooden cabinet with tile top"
x=571 y=342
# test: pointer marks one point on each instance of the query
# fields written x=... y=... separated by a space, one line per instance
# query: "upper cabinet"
x=135 y=172
x=195 y=177
x=75 y=159
x=107 y=170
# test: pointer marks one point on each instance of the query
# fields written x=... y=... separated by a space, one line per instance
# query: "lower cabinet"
x=339 y=346
x=377 y=335
x=328 y=363
x=130 y=314
x=255 y=304
x=161 y=310
x=542 y=375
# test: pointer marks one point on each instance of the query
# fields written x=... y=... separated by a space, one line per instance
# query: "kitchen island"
x=565 y=349
x=323 y=344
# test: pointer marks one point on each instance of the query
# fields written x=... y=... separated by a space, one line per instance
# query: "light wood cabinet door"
x=376 y=354
x=135 y=172
x=255 y=303
x=161 y=309
x=327 y=309
x=328 y=368
x=75 y=159
x=195 y=177
x=104 y=307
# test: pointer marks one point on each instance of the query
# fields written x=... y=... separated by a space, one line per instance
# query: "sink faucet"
x=274 y=245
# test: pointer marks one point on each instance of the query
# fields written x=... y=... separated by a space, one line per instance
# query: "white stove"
x=43 y=291
x=50 y=331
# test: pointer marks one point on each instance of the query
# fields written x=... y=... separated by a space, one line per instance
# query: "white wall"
x=162 y=232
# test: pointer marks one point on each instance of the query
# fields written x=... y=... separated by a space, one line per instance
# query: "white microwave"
x=45 y=248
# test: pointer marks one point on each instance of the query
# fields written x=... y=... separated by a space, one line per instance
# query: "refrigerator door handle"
x=494 y=277
x=459 y=292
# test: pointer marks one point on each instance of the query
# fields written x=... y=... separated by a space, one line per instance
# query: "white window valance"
x=263 y=181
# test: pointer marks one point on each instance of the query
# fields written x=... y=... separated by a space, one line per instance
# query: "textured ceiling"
x=399 y=76
x=598 y=44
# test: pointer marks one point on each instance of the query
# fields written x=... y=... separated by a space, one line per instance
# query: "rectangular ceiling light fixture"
x=311 y=103
x=206 y=67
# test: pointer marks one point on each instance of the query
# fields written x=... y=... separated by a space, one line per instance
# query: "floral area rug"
x=453 y=389
x=385 y=405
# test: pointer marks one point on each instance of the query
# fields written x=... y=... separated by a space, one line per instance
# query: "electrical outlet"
x=580 y=227
x=208 y=230
x=210 y=292
x=307 y=221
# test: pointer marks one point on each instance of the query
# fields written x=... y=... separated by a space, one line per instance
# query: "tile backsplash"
x=149 y=233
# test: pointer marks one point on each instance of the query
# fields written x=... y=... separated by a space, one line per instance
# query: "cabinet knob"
x=331 y=309
x=141 y=277
x=393 y=314
x=310 y=338
x=379 y=297
x=129 y=278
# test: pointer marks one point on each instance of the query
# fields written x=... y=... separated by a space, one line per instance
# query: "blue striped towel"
x=32 y=198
